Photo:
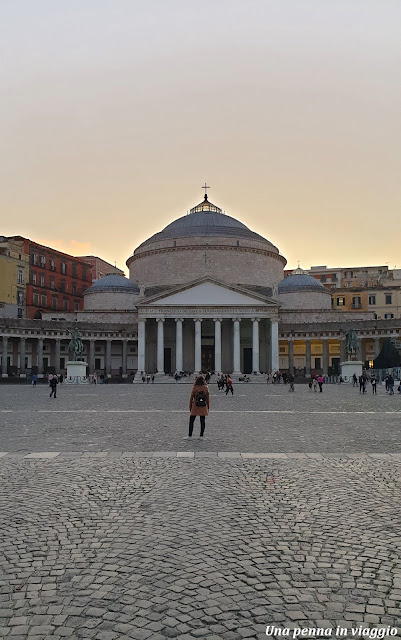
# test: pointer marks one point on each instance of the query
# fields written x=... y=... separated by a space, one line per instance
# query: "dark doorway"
x=335 y=367
x=247 y=367
x=167 y=360
x=98 y=364
x=207 y=357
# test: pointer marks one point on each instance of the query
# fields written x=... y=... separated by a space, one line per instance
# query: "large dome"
x=206 y=219
x=206 y=242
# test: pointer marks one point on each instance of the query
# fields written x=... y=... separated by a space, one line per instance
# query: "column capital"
x=179 y=319
x=217 y=319
x=197 y=319
x=236 y=319
x=255 y=319
x=160 y=319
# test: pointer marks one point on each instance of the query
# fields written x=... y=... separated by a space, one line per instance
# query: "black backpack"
x=200 y=399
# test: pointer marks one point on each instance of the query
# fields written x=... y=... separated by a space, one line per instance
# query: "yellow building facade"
x=14 y=274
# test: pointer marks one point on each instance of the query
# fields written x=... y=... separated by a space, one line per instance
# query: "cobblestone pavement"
x=154 y=418
x=115 y=544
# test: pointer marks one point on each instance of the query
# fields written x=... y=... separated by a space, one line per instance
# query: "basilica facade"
x=205 y=293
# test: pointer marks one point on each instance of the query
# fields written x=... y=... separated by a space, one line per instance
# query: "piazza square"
x=115 y=527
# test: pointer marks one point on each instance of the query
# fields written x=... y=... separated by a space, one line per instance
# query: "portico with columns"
x=208 y=326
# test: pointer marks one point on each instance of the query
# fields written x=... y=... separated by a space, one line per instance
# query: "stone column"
x=108 y=359
x=178 y=344
x=274 y=345
x=4 y=357
x=198 y=344
x=236 y=346
x=57 y=352
x=255 y=345
x=325 y=357
x=141 y=345
x=91 y=362
x=40 y=357
x=343 y=353
x=307 y=357
x=160 y=345
x=291 y=355
x=22 y=358
x=377 y=346
x=217 y=344
x=124 y=363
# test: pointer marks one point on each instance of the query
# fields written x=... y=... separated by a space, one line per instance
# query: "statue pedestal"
x=76 y=372
x=351 y=367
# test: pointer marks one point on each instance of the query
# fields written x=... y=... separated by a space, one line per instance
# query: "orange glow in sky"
x=113 y=114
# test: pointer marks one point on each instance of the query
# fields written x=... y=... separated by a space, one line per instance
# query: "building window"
x=74 y=289
x=54 y=302
x=62 y=285
x=34 y=258
x=63 y=268
x=372 y=299
x=43 y=300
x=356 y=302
x=74 y=270
x=340 y=301
x=334 y=277
x=83 y=273
x=388 y=316
x=51 y=283
x=35 y=299
x=52 y=264
x=20 y=297
x=322 y=278
x=389 y=298
x=19 y=313
x=20 y=277
x=42 y=280
x=34 y=278
x=76 y=305
x=42 y=261
x=65 y=305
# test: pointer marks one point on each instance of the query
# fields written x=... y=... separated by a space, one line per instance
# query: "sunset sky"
x=113 y=113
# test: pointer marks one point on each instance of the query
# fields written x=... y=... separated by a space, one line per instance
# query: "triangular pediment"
x=209 y=293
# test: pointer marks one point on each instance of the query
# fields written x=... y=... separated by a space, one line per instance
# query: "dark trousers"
x=320 y=387
x=374 y=389
x=230 y=389
x=54 y=390
x=191 y=424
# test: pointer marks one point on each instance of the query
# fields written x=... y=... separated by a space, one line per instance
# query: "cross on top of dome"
x=205 y=205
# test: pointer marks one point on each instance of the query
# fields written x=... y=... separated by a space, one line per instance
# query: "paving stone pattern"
x=155 y=418
x=189 y=543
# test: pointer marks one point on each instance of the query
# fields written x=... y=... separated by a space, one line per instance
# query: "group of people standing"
x=225 y=382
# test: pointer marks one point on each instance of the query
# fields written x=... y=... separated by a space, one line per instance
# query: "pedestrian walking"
x=354 y=380
x=153 y=378
x=229 y=385
x=291 y=380
x=390 y=384
x=373 y=382
x=34 y=379
x=320 y=383
x=53 y=386
x=147 y=378
x=61 y=378
x=198 y=406
x=95 y=378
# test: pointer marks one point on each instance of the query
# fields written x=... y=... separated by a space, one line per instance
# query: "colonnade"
x=197 y=346
x=19 y=353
